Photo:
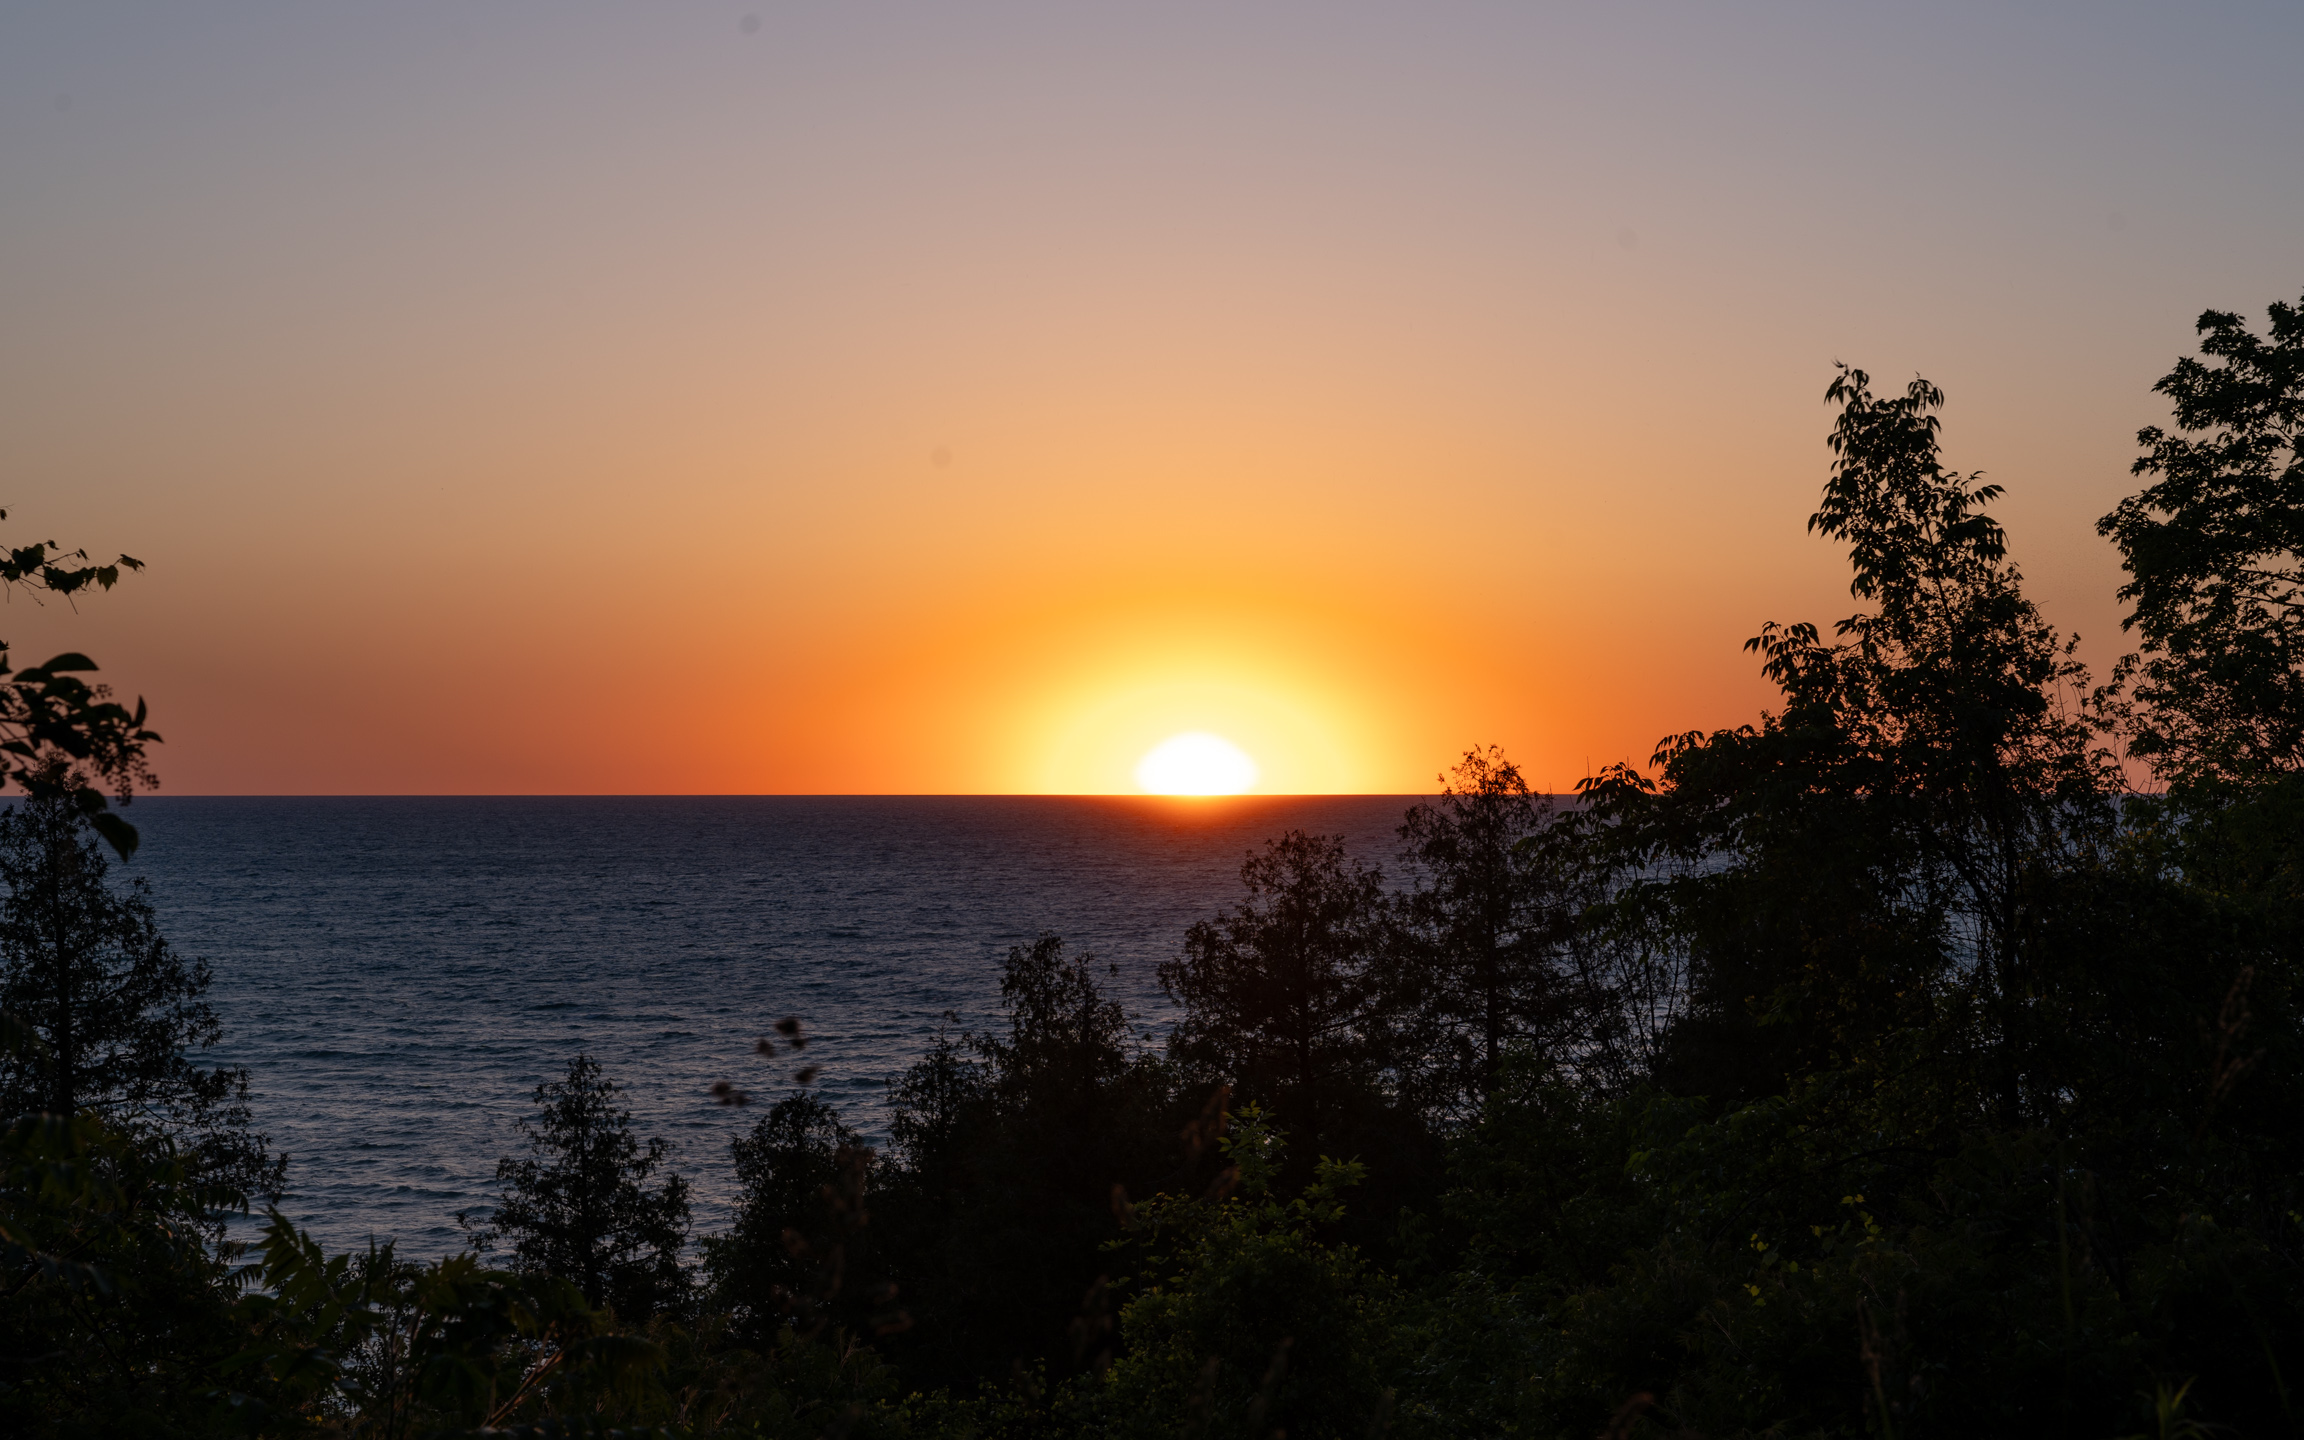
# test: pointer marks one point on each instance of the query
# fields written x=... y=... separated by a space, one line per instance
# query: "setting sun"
x=1196 y=763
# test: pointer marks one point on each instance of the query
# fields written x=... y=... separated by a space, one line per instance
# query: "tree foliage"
x=2214 y=549
x=1245 y=1321
x=1013 y=1148
x=116 y=1012
x=59 y=734
x=114 y=1306
x=586 y=1204
x=403 y=1350
x=784 y=1261
x=1872 y=855
x=1484 y=923
x=1282 y=994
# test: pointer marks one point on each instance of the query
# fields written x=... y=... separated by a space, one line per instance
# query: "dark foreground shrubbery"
x=1885 y=1067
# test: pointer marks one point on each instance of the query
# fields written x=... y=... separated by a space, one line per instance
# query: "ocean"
x=398 y=974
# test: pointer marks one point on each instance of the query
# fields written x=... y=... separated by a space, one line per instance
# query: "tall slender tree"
x=581 y=1205
x=1482 y=928
x=120 y=1015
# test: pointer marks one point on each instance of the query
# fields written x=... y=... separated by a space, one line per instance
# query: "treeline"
x=1920 y=1059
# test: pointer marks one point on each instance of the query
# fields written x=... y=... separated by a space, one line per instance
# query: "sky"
x=851 y=398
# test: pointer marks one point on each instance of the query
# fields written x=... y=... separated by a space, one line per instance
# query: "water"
x=399 y=974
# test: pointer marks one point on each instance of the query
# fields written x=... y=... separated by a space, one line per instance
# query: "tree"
x=1011 y=1146
x=784 y=1259
x=114 y=1300
x=2214 y=548
x=1283 y=995
x=1250 y=1323
x=936 y=1108
x=1874 y=854
x=581 y=1206
x=116 y=1010
x=1484 y=927
x=1064 y=1037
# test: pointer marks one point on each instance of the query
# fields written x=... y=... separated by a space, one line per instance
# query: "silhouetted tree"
x=1010 y=1147
x=1284 y=995
x=936 y=1108
x=1869 y=857
x=1966 y=1054
x=581 y=1207
x=1065 y=1038
x=2214 y=549
x=1478 y=971
x=118 y=1013
x=114 y=1299
x=784 y=1259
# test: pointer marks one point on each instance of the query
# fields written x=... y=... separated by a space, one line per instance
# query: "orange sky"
x=569 y=399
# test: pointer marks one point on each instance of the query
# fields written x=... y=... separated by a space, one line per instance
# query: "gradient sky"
x=521 y=397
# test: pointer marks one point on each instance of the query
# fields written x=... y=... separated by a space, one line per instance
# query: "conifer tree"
x=1284 y=994
x=118 y=1013
x=1483 y=928
x=581 y=1206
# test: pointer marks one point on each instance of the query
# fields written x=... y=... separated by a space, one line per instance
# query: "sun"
x=1196 y=763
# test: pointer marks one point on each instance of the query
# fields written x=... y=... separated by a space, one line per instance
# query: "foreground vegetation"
x=1921 y=1059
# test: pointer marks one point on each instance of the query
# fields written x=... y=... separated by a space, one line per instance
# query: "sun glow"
x=1196 y=763
x=1281 y=691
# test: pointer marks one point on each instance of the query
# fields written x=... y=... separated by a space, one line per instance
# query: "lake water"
x=399 y=974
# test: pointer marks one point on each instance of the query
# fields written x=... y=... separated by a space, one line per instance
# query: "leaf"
x=69 y=660
x=118 y=833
